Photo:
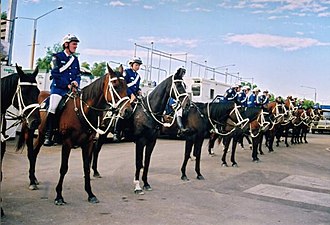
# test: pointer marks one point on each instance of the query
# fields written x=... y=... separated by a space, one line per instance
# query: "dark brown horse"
x=201 y=120
x=143 y=127
x=79 y=122
x=21 y=91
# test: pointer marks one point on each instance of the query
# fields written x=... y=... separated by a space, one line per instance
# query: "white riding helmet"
x=256 y=89
x=68 y=38
x=137 y=60
x=247 y=88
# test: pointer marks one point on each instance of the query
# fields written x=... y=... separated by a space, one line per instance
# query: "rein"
x=22 y=108
x=113 y=111
x=177 y=95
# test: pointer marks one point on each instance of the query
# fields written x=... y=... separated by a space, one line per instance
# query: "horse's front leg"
x=260 y=143
x=226 y=142
x=32 y=154
x=197 y=153
x=66 y=149
x=149 y=149
x=255 y=142
x=213 y=138
x=139 y=146
x=96 y=151
x=233 y=151
x=188 y=147
x=86 y=155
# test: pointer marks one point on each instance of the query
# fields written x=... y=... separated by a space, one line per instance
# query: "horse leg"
x=149 y=149
x=233 y=150
x=32 y=154
x=59 y=200
x=305 y=135
x=255 y=142
x=87 y=150
x=3 y=150
x=197 y=153
x=139 y=146
x=188 y=147
x=260 y=143
x=226 y=142
x=96 y=151
x=248 y=140
x=213 y=138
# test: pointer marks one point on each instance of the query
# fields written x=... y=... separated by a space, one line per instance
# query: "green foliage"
x=272 y=98
x=98 y=69
x=85 y=65
x=44 y=63
x=4 y=15
x=308 y=104
x=248 y=84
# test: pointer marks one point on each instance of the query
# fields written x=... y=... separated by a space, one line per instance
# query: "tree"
x=98 y=69
x=85 y=65
x=44 y=63
x=4 y=15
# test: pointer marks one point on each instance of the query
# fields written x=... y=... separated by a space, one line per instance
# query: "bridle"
x=112 y=112
x=179 y=104
x=22 y=108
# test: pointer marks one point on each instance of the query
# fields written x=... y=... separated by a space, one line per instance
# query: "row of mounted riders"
x=96 y=108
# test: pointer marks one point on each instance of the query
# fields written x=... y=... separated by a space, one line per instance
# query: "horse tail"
x=21 y=138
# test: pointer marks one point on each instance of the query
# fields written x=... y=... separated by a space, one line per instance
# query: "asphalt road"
x=290 y=186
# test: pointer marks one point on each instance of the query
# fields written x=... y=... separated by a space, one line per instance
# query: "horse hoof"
x=200 y=177
x=138 y=192
x=255 y=160
x=184 y=178
x=59 y=201
x=33 y=187
x=93 y=200
x=147 y=188
x=97 y=175
x=224 y=165
x=36 y=182
x=234 y=165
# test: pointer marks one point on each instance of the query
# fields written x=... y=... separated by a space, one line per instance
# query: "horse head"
x=116 y=93
x=26 y=97
x=178 y=90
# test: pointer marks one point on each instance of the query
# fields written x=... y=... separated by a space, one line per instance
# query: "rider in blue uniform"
x=241 y=97
x=231 y=93
x=252 y=100
x=65 y=74
x=133 y=89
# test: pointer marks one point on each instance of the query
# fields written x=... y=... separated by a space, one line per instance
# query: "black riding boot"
x=182 y=130
x=116 y=132
x=49 y=130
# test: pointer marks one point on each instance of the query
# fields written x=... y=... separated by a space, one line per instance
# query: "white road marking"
x=307 y=182
x=291 y=194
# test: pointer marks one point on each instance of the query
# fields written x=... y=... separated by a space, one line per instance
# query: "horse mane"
x=251 y=113
x=93 y=89
x=8 y=89
x=223 y=109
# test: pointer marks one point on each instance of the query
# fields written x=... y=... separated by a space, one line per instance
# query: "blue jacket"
x=133 y=83
x=61 y=80
x=242 y=98
x=230 y=94
x=252 y=100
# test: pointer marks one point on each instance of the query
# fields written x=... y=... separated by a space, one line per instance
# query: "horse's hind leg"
x=233 y=150
x=213 y=138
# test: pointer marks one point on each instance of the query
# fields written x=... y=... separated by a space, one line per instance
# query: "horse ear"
x=36 y=71
x=19 y=70
x=121 y=69
x=109 y=69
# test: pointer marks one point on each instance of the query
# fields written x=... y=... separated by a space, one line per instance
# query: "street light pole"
x=35 y=20
x=311 y=88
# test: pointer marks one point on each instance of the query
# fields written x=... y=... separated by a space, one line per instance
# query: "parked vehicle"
x=323 y=125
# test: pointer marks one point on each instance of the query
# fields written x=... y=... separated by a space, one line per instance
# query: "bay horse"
x=79 y=122
x=20 y=90
x=143 y=127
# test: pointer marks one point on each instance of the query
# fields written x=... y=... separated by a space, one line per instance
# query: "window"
x=211 y=93
x=196 y=89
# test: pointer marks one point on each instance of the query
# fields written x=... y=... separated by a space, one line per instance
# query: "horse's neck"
x=157 y=100
x=8 y=90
